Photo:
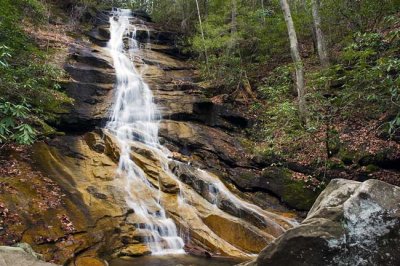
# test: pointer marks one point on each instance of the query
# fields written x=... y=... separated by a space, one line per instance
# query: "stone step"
x=96 y=37
x=104 y=31
x=143 y=235
x=157 y=37
x=134 y=250
x=91 y=105
x=170 y=50
x=92 y=58
x=136 y=220
x=88 y=74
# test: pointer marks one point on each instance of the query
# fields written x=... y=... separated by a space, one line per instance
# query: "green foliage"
x=28 y=85
x=4 y=56
x=12 y=13
x=280 y=115
x=13 y=126
x=249 y=40
x=236 y=45
x=343 y=18
x=366 y=78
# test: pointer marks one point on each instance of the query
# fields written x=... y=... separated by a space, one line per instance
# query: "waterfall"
x=135 y=118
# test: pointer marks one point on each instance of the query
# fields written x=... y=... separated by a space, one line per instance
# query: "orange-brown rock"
x=89 y=261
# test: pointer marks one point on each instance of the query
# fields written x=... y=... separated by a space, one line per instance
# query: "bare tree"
x=294 y=50
x=321 y=44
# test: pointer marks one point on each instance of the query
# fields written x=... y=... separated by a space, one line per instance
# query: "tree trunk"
x=202 y=33
x=205 y=8
x=294 y=50
x=263 y=9
x=321 y=44
x=233 y=17
x=233 y=26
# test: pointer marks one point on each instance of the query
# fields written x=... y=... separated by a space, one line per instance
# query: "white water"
x=135 y=117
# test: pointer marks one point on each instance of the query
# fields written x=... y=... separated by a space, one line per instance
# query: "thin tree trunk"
x=233 y=17
x=202 y=33
x=263 y=9
x=205 y=8
x=294 y=50
x=321 y=44
x=324 y=59
x=233 y=26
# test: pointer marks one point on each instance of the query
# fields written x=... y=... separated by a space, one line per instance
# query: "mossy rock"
x=378 y=158
x=347 y=157
x=371 y=168
x=294 y=193
x=335 y=164
x=299 y=196
x=246 y=175
x=267 y=157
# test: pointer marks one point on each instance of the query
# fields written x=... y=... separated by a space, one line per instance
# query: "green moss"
x=297 y=194
x=335 y=164
x=372 y=168
x=246 y=176
x=46 y=130
x=347 y=157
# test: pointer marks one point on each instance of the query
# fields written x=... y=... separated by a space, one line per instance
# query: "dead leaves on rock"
x=66 y=223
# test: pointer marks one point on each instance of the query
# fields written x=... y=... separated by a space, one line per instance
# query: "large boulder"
x=351 y=223
x=21 y=255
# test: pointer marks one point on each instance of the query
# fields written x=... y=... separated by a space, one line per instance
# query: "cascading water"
x=135 y=118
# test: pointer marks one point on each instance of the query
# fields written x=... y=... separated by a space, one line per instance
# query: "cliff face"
x=66 y=199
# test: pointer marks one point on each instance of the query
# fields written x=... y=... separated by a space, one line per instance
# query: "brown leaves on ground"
x=364 y=137
x=50 y=35
x=358 y=137
x=27 y=198
x=8 y=217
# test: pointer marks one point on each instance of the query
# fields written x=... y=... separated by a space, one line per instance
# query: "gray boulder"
x=21 y=255
x=351 y=223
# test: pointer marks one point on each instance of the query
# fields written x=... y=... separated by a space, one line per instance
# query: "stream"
x=174 y=260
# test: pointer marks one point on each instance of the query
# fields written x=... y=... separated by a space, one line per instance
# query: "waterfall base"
x=173 y=260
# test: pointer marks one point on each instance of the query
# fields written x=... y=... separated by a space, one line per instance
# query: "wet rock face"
x=211 y=193
x=93 y=218
x=351 y=223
